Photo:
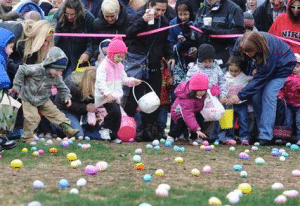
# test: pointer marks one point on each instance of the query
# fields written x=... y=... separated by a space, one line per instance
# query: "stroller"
x=8 y=113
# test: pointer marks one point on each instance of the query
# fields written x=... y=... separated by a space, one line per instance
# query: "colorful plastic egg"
x=155 y=142
x=137 y=158
x=294 y=147
x=168 y=144
x=285 y=154
x=202 y=147
x=164 y=186
x=138 y=151
x=145 y=204
x=71 y=156
x=237 y=168
x=277 y=186
x=159 y=173
x=70 y=141
x=139 y=166
x=35 y=153
x=206 y=169
x=214 y=201
x=181 y=149
x=91 y=170
x=74 y=191
x=87 y=138
x=49 y=142
x=147 y=178
x=282 y=158
x=162 y=192
x=260 y=161
x=53 y=150
x=291 y=193
x=232 y=149
x=256 y=144
x=247 y=151
x=33 y=149
x=41 y=152
x=175 y=148
x=37 y=184
x=205 y=143
x=179 y=160
x=63 y=183
x=288 y=144
x=74 y=165
x=162 y=140
x=233 y=198
x=58 y=139
x=24 y=150
x=296 y=173
x=243 y=174
x=244 y=156
x=80 y=138
x=101 y=166
x=207 y=148
x=245 y=188
x=81 y=182
x=64 y=144
x=254 y=148
x=195 y=172
x=281 y=199
x=156 y=148
x=149 y=146
x=275 y=153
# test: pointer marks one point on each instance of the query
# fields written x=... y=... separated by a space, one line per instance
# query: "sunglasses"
x=294 y=7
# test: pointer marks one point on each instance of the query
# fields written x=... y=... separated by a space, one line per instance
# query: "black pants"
x=206 y=127
x=112 y=120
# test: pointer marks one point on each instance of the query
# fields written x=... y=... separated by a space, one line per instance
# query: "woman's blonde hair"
x=254 y=41
x=34 y=36
x=86 y=82
x=110 y=7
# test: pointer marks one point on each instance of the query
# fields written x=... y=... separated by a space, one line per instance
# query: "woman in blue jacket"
x=274 y=62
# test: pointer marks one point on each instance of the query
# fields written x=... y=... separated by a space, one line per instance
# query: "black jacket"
x=141 y=44
x=263 y=17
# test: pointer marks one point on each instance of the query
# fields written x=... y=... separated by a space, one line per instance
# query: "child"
x=7 y=42
x=291 y=93
x=102 y=51
x=185 y=111
x=236 y=81
x=110 y=78
x=35 y=82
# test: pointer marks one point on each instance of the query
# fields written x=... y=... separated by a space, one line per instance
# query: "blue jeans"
x=162 y=117
x=264 y=105
x=290 y=113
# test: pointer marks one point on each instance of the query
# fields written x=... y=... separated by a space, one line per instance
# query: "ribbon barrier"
x=88 y=35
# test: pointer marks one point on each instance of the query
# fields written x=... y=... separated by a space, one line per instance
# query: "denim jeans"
x=162 y=117
x=264 y=105
x=290 y=114
x=241 y=112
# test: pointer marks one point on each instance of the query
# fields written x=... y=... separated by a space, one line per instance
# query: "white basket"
x=149 y=102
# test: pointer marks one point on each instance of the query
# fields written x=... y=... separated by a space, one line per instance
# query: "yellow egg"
x=214 y=201
x=16 y=164
x=35 y=153
x=74 y=165
x=247 y=151
x=202 y=147
x=24 y=150
x=159 y=173
x=195 y=172
x=179 y=160
x=71 y=156
x=245 y=188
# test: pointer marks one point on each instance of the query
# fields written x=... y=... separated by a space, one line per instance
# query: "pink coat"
x=186 y=107
x=290 y=90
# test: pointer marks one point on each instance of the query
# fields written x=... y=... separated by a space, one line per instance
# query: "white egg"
x=74 y=191
x=81 y=182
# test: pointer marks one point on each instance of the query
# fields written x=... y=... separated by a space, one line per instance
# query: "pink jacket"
x=186 y=107
x=290 y=90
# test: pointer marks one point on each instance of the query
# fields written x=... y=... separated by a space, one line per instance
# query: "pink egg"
x=291 y=193
x=84 y=146
x=231 y=142
x=58 y=139
x=254 y=148
x=205 y=143
x=195 y=143
x=90 y=170
x=244 y=156
x=41 y=152
x=131 y=140
x=206 y=169
x=281 y=199
x=162 y=192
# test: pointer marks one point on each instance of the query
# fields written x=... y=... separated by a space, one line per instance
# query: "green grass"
x=121 y=185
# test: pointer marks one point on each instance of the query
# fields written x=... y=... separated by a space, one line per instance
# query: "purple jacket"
x=186 y=107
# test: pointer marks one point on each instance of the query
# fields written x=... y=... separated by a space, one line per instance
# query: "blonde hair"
x=110 y=6
x=34 y=36
x=86 y=82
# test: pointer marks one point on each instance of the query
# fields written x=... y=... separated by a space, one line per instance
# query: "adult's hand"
x=208 y=29
x=172 y=63
x=68 y=103
x=91 y=107
x=84 y=58
x=148 y=16
x=110 y=98
x=233 y=100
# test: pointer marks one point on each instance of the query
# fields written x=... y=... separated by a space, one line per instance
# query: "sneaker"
x=198 y=140
x=104 y=133
x=245 y=142
x=117 y=141
x=27 y=140
x=67 y=130
x=298 y=143
x=7 y=144
x=171 y=139
x=264 y=142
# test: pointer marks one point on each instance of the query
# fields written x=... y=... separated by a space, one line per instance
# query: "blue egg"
x=275 y=150
x=182 y=149
x=168 y=144
x=288 y=144
x=149 y=146
x=275 y=153
x=34 y=203
x=237 y=168
x=285 y=154
x=162 y=141
x=87 y=138
x=33 y=149
x=145 y=204
x=256 y=144
x=294 y=147
x=63 y=183
x=208 y=148
x=176 y=148
x=147 y=178
x=79 y=145
x=70 y=141
x=157 y=148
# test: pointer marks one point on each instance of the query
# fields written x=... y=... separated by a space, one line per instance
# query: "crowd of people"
x=244 y=53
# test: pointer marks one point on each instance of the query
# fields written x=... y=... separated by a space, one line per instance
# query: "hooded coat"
x=285 y=26
x=186 y=107
x=5 y=37
x=35 y=81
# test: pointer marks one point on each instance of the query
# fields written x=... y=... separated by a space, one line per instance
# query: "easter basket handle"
x=134 y=92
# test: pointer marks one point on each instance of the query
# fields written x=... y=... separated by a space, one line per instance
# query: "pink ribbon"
x=289 y=40
x=88 y=35
x=157 y=30
x=218 y=35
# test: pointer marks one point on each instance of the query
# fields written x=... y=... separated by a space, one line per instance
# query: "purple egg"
x=64 y=144
x=244 y=156
x=275 y=153
x=91 y=170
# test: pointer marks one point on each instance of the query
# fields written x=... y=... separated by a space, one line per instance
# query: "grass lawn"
x=122 y=185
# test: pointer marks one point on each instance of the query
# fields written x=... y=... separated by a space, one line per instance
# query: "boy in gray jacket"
x=34 y=83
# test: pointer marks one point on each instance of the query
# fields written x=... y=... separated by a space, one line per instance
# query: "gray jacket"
x=35 y=81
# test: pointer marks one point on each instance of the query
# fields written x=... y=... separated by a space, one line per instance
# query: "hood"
x=190 y=8
x=54 y=54
x=105 y=42
x=182 y=90
x=5 y=36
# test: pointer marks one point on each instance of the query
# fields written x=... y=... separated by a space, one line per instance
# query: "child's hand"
x=224 y=100
x=84 y=58
x=137 y=82
x=91 y=107
x=181 y=38
x=13 y=90
x=110 y=98
x=254 y=71
x=68 y=102
x=200 y=134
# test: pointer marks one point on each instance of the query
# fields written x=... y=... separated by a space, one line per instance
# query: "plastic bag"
x=213 y=109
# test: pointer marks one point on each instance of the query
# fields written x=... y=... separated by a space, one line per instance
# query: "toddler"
x=34 y=83
x=110 y=78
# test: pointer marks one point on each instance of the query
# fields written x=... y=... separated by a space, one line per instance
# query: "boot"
x=67 y=130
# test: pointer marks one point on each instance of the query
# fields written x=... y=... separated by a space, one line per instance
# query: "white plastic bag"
x=213 y=109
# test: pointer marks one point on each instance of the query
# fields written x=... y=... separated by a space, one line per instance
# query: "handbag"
x=213 y=109
x=80 y=69
x=282 y=131
x=179 y=75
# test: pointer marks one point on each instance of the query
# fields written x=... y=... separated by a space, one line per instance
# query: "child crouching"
x=34 y=83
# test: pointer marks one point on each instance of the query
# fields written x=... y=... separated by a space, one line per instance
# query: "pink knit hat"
x=199 y=81
x=116 y=45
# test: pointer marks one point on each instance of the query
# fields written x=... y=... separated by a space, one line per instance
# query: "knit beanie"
x=248 y=20
x=116 y=45
x=59 y=64
x=297 y=57
x=206 y=51
x=198 y=81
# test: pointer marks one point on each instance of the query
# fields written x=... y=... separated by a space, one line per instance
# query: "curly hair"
x=79 y=12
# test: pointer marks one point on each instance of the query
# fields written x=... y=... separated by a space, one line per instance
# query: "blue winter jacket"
x=280 y=64
x=5 y=36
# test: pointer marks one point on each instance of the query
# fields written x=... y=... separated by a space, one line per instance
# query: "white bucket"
x=149 y=102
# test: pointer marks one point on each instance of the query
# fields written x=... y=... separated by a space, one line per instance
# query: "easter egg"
x=79 y=145
x=282 y=158
x=139 y=166
x=296 y=173
x=281 y=151
x=175 y=148
x=78 y=162
x=84 y=146
x=80 y=138
x=36 y=138
x=64 y=143
x=288 y=144
x=35 y=153
x=74 y=165
x=206 y=169
x=256 y=144
x=91 y=170
x=81 y=182
x=162 y=140
x=24 y=150
x=205 y=143
x=291 y=193
x=149 y=146
x=70 y=141
x=275 y=153
x=277 y=186
x=195 y=144
x=159 y=173
x=285 y=154
x=244 y=156
x=202 y=147
x=49 y=142
x=58 y=139
x=164 y=186
x=243 y=174
x=260 y=161
x=181 y=149
x=238 y=192
x=245 y=188
x=147 y=178
x=145 y=204
x=233 y=198
x=214 y=201
x=155 y=142
x=247 y=151
x=87 y=138
x=37 y=184
x=34 y=203
x=156 y=148
x=41 y=152
x=168 y=144
x=137 y=158
x=73 y=139
x=101 y=166
x=294 y=147
x=53 y=150
x=237 y=168
x=254 y=148
x=63 y=183
x=74 y=191
x=32 y=143
x=71 y=156
x=212 y=147
x=231 y=148
x=195 y=172
x=281 y=199
x=33 y=149
x=207 y=148
x=179 y=160
x=161 y=192
x=138 y=151
x=216 y=143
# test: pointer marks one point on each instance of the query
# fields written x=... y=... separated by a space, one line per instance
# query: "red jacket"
x=291 y=91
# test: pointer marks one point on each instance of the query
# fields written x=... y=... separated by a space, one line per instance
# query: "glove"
x=208 y=29
x=186 y=27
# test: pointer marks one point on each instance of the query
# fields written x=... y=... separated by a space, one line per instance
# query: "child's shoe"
x=117 y=141
x=104 y=133
x=6 y=143
x=245 y=142
x=67 y=130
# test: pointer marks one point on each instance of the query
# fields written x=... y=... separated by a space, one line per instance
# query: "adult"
x=82 y=89
x=266 y=13
x=287 y=25
x=94 y=6
x=251 y=5
x=73 y=18
x=219 y=17
x=6 y=5
x=26 y=6
x=157 y=46
x=274 y=61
